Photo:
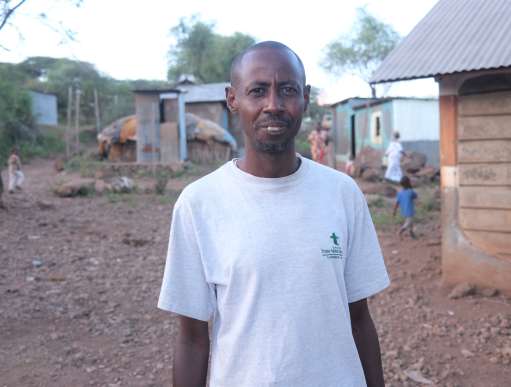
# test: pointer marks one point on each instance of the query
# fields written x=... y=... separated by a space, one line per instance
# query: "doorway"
x=352 y=138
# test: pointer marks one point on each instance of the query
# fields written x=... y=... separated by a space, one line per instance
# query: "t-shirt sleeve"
x=365 y=273
x=185 y=290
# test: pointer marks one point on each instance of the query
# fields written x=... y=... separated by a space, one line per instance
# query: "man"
x=277 y=251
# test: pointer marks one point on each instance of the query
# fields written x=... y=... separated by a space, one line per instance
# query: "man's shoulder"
x=206 y=185
x=331 y=174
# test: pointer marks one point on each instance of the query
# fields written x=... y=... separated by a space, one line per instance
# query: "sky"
x=130 y=39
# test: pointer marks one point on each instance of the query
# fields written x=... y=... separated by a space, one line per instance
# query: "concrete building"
x=464 y=44
x=359 y=123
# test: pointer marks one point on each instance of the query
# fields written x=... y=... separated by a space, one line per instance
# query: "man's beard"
x=274 y=148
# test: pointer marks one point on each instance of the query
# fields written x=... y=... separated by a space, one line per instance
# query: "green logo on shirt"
x=335 y=239
x=334 y=252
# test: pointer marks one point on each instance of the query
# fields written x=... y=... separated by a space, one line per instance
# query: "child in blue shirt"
x=405 y=201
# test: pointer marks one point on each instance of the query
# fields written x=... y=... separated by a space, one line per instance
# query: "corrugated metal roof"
x=208 y=92
x=455 y=36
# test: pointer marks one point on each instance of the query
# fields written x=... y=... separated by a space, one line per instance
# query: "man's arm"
x=366 y=340
x=191 y=353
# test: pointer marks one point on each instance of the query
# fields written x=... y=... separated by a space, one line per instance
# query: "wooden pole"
x=96 y=111
x=67 y=134
x=77 y=120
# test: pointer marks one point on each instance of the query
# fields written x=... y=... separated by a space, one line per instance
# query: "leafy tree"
x=363 y=50
x=315 y=111
x=202 y=52
x=15 y=111
x=8 y=8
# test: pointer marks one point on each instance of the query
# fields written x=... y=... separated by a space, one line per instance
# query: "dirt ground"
x=80 y=277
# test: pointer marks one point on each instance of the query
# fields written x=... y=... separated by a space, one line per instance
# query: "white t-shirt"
x=274 y=262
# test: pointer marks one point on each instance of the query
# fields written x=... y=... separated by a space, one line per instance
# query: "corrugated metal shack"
x=161 y=129
x=208 y=101
x=360 y=123
x=44 y=108
x=464 y=44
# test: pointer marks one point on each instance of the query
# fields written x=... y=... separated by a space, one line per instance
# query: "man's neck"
x=269 y=164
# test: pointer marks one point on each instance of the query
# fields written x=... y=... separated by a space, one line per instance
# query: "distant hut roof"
x=455 y=36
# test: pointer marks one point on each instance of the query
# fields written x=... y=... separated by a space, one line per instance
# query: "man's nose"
x=274 y=102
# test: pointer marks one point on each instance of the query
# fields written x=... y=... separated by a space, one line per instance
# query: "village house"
x=464 y=45
x=44 y=108
x=360 y=123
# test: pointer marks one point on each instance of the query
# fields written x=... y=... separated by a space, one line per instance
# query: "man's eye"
x=288 y=90
x=257 y=91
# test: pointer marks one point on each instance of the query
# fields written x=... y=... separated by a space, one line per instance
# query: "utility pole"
x=96 y=111
x=67 y=134
x=78 y=92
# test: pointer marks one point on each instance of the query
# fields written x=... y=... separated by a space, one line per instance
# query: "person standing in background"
x=16 y=176
x=394 y=153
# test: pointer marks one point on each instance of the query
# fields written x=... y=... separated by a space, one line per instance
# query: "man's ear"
x=306 y=96
x=230 y=97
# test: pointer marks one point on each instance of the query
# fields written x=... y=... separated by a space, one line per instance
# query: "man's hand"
x=191 y=353
x=366 y=340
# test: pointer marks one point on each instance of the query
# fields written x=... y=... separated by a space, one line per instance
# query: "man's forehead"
x=280 y=62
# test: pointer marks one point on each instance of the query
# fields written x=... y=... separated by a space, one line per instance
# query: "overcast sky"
x=130 y=39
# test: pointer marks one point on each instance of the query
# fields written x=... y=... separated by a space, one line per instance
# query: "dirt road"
x=79 y=280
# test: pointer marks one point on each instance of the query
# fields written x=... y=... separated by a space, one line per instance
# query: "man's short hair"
x=235 y=64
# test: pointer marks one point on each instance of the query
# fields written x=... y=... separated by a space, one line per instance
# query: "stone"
x=466 y=353
x=43 y=205
x=413 y=162
x=122 y=184
x=416 y=376
x=371 y=174
x=58 y=165
x=100 y=186
x=462 y=290
x=74 y=187
x=489 y=292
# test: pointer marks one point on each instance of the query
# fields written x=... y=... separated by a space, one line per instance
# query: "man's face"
x=270 y=98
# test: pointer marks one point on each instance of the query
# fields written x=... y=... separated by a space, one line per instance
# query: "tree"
x=362 y=51
x=8 y=8
x=15 y=111
x=202 y=52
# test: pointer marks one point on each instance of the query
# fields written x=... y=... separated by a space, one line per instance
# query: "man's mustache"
x=273 y=121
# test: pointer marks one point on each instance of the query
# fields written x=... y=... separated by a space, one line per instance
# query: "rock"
x=489 y=292
x=122 y=184
x=462 y=290
x=466 y=353
x=100 y=186
x=74 y=187
x=428 y=172
x=389 y=191
x=367 y=158
x=58 y=165
x=416 y=376
x=44 y=205
x=371 y=174
x=412 y=162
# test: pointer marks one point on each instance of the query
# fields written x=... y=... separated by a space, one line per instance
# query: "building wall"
x=213 y=111
x=44 y=108
x=476 y=185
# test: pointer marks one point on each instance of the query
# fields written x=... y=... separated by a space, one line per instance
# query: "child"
x=15 y=175
x=405 y=202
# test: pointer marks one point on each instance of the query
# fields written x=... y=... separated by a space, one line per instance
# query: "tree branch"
x=9 y=13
